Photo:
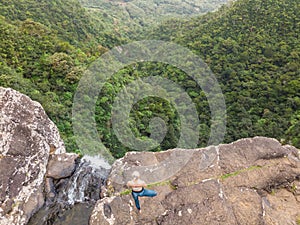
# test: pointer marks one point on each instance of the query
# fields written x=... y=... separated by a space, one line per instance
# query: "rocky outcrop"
x=39 y=182
x=27 y=136
x=251 y=181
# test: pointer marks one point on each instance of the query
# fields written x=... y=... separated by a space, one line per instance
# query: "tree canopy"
x=252 y=47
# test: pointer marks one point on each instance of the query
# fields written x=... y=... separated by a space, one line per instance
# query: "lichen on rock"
x=26 y=137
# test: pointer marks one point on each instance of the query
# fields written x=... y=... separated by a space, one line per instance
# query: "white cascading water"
x=76 y=195
x=88 y=176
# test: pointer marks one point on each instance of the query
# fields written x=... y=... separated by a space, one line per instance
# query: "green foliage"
x=235 y=173
x=129 y=18
x=66 y=18
x=38 y=58
x=293 y=131
x=148 y=108
x=253 y=48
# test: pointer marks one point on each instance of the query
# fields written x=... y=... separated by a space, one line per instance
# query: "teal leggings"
x=144 y=192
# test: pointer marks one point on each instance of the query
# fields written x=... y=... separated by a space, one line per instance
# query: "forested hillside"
x=126 y=17
x=252 y=46
x=44 y=48
x=66 y=18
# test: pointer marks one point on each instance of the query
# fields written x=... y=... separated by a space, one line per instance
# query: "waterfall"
x=85 y=184
x=77 y=193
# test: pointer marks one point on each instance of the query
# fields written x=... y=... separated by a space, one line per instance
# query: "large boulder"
x=251 y=181
x=61 y=165
x=27 y=136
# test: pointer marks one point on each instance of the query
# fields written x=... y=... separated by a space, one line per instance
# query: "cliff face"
x=39 y=182
x=251 y=181
x=27 y=136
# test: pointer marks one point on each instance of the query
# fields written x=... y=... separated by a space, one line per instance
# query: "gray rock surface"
x=27 y=136
x=252 y=181
x=61 y=165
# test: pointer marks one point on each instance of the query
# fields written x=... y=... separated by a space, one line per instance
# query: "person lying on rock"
x=138 y=189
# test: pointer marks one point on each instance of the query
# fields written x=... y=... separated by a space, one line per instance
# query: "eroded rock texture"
x=27 y=136
x=251 y=182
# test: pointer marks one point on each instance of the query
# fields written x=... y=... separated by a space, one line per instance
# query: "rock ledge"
x=250 y=181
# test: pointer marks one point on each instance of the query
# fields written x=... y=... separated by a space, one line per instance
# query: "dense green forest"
x=44 y=53
x=127 y=18
x=67 y=19
x=252 y=47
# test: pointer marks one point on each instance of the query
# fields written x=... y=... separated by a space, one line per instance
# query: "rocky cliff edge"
x=27 y=138
x=252 y=181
